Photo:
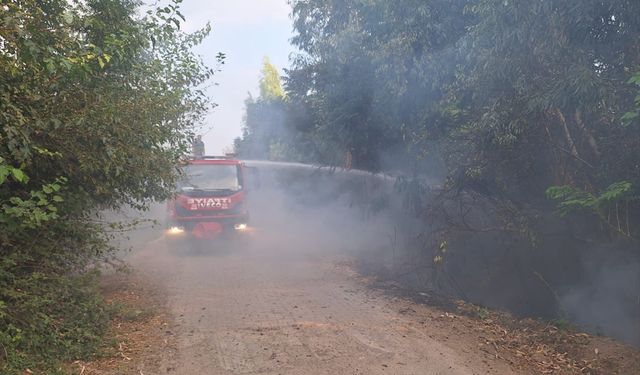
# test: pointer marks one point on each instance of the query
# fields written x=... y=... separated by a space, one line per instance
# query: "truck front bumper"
x=206 y=227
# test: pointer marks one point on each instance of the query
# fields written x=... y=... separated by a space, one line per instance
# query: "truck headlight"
x=175 y=231
x=240 y=227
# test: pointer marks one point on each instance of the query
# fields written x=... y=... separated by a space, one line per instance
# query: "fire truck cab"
x=210 y=200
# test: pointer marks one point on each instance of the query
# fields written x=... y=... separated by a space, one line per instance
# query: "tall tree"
x=265 y=134
x=270 y=83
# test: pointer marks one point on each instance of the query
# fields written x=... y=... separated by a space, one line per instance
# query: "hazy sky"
x=246 y=31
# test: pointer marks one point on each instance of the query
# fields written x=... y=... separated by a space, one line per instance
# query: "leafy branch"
x=607 y=205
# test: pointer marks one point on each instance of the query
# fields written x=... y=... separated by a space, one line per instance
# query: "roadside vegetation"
x=529 y=113
x=98 y=101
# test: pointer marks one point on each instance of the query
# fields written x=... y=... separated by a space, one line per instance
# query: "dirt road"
x=287 y=302
x=283 y=309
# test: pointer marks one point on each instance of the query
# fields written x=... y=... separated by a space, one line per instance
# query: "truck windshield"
x=210 y=177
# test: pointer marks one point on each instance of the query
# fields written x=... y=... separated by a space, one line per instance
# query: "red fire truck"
x=210 y=200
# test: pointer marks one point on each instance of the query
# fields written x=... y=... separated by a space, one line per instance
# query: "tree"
x=265 y=133
x=270 y=85
x=513 y=97
x=98 y=106
x=372 y=75
x=544 y=97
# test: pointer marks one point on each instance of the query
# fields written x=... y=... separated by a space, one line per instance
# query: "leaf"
x=4 y=172
x=68 y=17
x=571 y=199
x=616 y=191
x=635 y=79
x=629 y=117
x=50 y=65
x=19 y=175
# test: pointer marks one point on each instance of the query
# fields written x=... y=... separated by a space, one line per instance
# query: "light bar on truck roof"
x=213 y=157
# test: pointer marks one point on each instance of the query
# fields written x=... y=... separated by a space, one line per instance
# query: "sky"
x=246 y=31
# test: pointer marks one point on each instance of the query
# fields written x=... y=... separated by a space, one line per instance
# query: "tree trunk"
x=567 y=134
x=590 y=138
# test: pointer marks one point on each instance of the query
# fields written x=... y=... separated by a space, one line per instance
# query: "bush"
x=97 y=106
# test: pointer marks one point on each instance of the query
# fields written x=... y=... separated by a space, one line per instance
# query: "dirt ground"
x=283 y=309
x=278 y=311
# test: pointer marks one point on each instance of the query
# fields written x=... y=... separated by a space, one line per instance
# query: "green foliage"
x=97 y=106
x=512 y=97
x=572 y=198
x=614 y=198
x=38 y=207
x=47 y=318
